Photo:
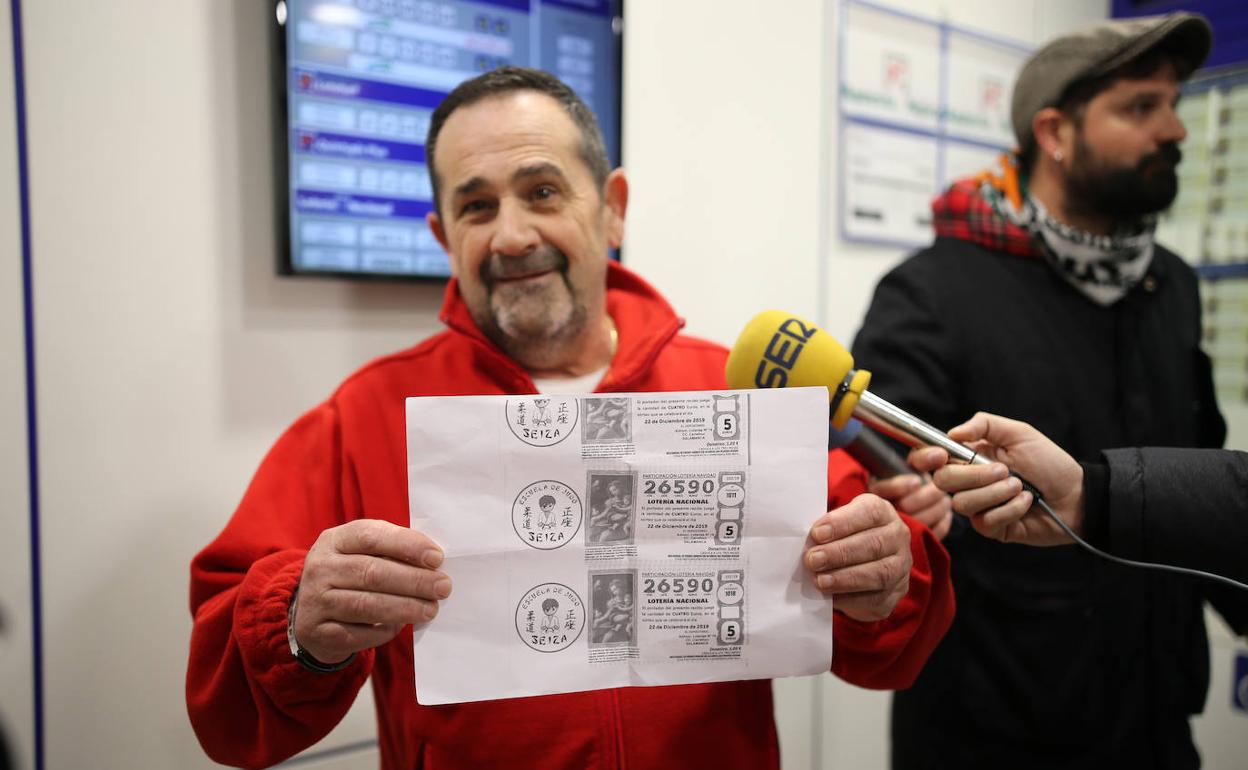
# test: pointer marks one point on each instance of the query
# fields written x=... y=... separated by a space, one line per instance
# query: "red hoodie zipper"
x=617 y=727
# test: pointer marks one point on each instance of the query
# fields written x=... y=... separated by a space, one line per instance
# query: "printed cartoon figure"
x=611 y=514
x=613 y=622
x=541 y=417
x=550 y=623
x=547 y=518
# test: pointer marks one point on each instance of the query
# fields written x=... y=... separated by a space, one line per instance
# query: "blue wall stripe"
x=32 y=442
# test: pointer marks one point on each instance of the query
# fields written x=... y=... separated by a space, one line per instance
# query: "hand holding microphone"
x=995 y=501
x=778 y=349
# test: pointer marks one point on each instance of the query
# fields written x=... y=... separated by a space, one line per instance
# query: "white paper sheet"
x=619 y=539
x=890 y=180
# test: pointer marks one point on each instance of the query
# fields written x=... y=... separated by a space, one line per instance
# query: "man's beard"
x=1124 y=194
x=533 y=322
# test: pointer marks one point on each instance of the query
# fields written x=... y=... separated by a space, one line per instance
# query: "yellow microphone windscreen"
x=778 y=349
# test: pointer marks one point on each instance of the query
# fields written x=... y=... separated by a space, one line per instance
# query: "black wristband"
x=303 y=656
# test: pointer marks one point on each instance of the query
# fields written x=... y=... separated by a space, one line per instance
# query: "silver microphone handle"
x=910 y=430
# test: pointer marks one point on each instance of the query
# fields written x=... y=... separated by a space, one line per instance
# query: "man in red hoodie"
x=317 y=580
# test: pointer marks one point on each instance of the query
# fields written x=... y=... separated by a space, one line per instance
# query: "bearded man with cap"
x=1045 y=297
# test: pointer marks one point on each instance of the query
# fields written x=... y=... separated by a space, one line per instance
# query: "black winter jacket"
x=1055 y=658
x=1186 y=507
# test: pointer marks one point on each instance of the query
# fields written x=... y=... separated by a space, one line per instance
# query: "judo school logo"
x=550 y=617
x=546 y=514
x=541 y=420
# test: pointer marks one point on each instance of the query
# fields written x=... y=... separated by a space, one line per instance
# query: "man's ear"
x=435 y=226
x=1054 y=132
x=615 y=205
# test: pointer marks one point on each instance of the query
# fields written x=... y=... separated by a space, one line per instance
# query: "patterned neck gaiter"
x=1103 y=267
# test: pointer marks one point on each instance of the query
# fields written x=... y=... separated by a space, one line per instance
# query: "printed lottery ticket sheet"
x=612 y=540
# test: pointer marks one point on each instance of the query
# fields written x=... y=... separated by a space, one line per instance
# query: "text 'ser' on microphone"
x=778 y=349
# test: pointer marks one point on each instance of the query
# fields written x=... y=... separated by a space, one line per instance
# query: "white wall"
x=170 y=356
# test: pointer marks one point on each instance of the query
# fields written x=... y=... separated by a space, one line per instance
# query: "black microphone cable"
x=1187 y=571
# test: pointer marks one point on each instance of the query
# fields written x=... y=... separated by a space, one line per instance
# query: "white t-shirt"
x=562 y=386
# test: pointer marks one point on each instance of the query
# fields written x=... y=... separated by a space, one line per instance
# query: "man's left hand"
x=861 y=557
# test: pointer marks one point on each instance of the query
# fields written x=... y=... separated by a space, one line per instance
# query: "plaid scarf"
x=993 y=210
x=988 y=209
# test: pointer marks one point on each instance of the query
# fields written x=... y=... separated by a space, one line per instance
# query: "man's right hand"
x=362 y=582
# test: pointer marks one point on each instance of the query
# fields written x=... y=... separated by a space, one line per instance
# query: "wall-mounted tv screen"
x=356 y=83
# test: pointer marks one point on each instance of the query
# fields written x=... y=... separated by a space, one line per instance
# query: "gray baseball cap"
x=1099 y=50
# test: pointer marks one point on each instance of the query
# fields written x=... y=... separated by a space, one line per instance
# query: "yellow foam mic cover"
x=778 y=349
